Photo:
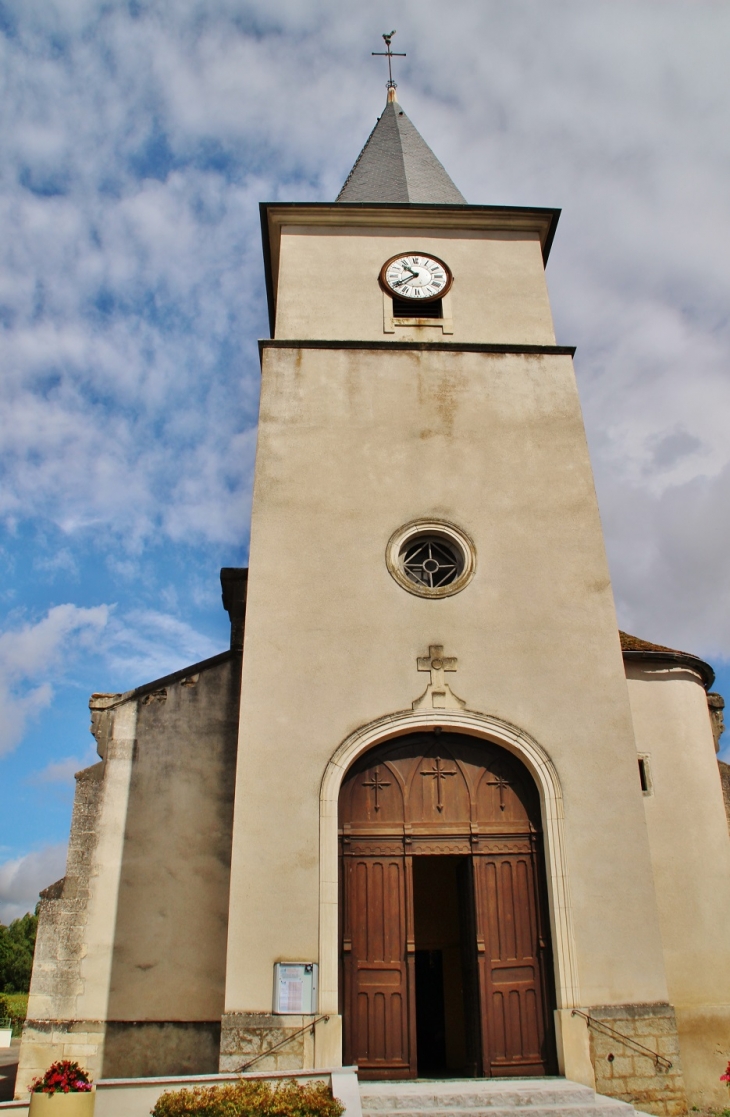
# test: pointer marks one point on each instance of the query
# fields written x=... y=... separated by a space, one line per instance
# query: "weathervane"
x=388 y=53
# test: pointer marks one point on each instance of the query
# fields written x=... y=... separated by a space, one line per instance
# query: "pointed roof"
x=397 y=165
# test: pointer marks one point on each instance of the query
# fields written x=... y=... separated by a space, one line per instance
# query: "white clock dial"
x=416 y=277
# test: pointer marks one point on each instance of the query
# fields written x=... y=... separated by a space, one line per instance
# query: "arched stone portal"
x=445 y=949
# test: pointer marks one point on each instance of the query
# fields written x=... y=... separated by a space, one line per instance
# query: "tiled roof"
x=397 y=165
x=634 y=644
x=634 y=648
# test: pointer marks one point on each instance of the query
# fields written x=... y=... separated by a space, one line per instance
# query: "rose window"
x=431 y=558
x=430 y=562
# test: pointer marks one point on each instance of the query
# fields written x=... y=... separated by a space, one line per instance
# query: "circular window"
x=431 y=558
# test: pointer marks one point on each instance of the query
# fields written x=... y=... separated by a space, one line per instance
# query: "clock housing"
x=418 y=277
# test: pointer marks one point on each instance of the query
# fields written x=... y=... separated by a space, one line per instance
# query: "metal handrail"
x=659 y=1060
x=292 y=1035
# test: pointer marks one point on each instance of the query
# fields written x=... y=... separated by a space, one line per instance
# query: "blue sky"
x=138 y=139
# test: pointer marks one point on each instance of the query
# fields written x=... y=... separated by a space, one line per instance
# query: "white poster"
x=291 y=993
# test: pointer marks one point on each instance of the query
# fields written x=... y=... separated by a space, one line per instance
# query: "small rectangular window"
x=409 y=308
x=645 y=775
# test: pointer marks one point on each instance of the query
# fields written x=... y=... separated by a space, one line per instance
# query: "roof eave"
x=683 y=659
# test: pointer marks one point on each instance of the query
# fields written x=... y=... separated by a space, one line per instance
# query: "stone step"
x=438 y=1103
x=473 y=1097
x=536 y=1108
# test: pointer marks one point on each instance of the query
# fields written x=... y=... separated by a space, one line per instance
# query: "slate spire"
x=397 y=165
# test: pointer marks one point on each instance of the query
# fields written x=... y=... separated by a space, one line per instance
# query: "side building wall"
x=690 y=850
x=129 y=972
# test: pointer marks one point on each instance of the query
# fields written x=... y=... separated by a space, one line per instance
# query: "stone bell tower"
x=426 y=555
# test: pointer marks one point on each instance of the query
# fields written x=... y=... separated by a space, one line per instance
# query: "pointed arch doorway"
x=445 y=958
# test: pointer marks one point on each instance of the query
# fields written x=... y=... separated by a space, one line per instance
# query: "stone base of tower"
x=275 y=1043
x=48 y=1041
x=615 y=1051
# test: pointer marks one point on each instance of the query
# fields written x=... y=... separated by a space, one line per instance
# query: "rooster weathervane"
x=389 y=54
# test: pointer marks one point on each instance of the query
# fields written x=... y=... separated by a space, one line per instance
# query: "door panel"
x=513 y=1005
x=377 y=1033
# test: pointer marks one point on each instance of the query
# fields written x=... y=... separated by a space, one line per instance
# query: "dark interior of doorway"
x=447 y=995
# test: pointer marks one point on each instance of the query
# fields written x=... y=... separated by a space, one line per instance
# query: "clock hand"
x=407 y=279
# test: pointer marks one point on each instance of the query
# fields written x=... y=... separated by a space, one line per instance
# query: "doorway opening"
x=447 y=992
x=445 y=950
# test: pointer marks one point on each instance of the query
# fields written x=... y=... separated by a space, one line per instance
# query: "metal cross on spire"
x=389 y=54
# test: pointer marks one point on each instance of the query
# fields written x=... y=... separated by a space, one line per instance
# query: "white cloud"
x=64 y=770
x=135 y=647
x=29 y=652
x=145 y=645
x=22 y=879
x=60 y=561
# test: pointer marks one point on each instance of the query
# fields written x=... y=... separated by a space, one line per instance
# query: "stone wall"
x=725 y=781
x=47 y=1041
x=51 y=1032
x=60 y=941
x=716 y=708
x=623 y=1071
x=169 y=957
x=154 y=1049
x=244 y=1035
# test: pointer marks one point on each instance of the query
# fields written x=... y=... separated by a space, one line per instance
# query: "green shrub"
x=17 y=944
x=247 y=1098
x=18 y=1004
x=15 y=1007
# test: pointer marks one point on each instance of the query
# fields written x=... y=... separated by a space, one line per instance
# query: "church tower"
x=430 y=814
x=434 y=708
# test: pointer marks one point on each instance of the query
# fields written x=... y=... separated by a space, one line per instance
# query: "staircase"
x=487 y=1097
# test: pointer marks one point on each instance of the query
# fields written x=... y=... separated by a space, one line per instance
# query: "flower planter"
x=6 y=1034
x=73 y=1104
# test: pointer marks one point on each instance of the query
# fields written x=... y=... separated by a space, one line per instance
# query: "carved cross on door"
x=377 y=785
x=439 y=774
x=501 y=782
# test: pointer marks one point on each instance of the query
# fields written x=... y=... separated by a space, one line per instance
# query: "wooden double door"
x=446 y=963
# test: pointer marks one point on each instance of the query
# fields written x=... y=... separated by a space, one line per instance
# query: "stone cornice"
x=421 y=347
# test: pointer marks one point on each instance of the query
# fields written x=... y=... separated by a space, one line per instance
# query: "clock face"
x=416 y=277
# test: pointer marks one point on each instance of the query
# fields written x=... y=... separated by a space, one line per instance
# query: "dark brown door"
x=375 y=972
x=445 y=794
x=510 y=964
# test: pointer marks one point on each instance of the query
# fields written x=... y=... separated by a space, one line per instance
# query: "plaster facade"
x=690 y=850
x=499 y=292
x=496 y=445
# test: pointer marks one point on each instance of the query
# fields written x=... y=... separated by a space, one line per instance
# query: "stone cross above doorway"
x=438 y=695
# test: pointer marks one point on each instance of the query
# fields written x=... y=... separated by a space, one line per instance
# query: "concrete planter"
x=6 y=1034
x=62 y=1105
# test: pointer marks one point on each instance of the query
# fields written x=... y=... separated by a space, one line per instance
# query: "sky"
x=138 y=139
